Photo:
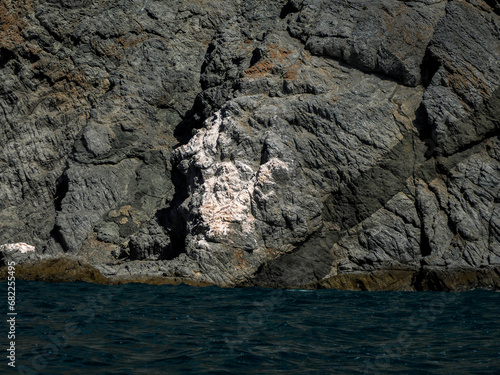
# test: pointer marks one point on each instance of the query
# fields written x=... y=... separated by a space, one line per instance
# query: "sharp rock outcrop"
x=302 y=143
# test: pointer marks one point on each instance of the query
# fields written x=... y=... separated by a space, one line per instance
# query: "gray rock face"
x=283 y=144
x=92 y=93
x=389 y=37
x=467 y=79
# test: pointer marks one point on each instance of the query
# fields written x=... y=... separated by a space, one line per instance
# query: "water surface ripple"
x=81 y=328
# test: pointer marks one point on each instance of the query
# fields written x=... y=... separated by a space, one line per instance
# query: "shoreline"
x=67 y=269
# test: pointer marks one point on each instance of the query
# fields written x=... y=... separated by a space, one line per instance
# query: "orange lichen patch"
x=13 y=22
x=131 y=42
x=63 y=101
x=79 y=78
x=415 y=37
x=106 y=48
x=123 y=211
x=273 y=64
x=12 y=12
x=462 y=81
x=242 y=262
x=401 y=10
x=272 y=253
x=69 y=87
x=401 y=118
x=333 y=100
x=278 y=53
x=458 y=82
x=388 y=21
x=63 y=96
x=116 y=48
x=261 y=69
x=55 y=70
x=293 y=71
x=424 y=32
x=409 y=37
x=95 y=244
x=394 y=19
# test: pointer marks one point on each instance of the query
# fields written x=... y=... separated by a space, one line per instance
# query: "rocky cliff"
x=316 y=143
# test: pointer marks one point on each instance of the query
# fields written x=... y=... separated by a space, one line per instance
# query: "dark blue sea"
x=80 y=328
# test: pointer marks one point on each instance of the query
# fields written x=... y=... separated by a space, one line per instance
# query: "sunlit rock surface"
x=344 y=144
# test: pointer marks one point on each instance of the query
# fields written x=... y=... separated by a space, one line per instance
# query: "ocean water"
x=80 y=328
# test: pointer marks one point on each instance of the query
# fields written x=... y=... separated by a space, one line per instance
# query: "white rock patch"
x=20 y=246
x=227 y=199
x=228 y=186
